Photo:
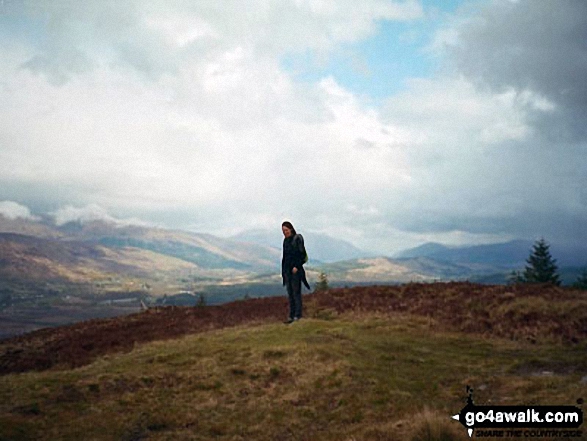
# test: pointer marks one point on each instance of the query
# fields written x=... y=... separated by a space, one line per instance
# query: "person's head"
x=288 y=229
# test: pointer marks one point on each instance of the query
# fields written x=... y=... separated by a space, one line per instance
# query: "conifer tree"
x=541 y=266
x=201 y=302
x=581 y=282
x=515 y=278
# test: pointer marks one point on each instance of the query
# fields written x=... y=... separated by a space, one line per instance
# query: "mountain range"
x=55 y=274
x=112 y=257
x=508 y=255
x=99 y=252
x=321 y=247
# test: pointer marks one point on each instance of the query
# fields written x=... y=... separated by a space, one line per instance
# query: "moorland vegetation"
x=367 y=363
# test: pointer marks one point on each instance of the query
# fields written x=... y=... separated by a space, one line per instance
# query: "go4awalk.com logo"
x=520 y=421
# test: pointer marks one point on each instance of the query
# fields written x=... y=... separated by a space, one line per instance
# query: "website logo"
x=554 y=421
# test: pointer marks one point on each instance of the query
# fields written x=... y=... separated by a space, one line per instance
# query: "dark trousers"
x=293 y=283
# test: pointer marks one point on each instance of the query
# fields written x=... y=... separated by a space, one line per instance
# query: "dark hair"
x=290 y=226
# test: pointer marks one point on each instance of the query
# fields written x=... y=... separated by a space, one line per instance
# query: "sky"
x=384 y=123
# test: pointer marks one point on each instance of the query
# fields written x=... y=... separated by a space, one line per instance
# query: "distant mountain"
x=403 y=270
x=320 y=247
x=106 y=257
x=424 y=250
x=204 y=250
x=40 y=227
x=50 y=260
x=504 y=256
x=507 y=255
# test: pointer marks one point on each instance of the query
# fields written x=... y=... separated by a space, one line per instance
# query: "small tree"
x=515 y=278
x=581 y=282
x=201 y=302
x=322 y=284
x=541 y=266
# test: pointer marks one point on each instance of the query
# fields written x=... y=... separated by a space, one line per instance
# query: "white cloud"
x=181 y=112
x=220 y=132
x=88 y=214
x=13 y=210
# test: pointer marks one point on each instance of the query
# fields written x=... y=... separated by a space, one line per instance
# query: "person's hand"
x=294 y=271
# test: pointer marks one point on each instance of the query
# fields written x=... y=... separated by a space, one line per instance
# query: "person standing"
x=292 y=269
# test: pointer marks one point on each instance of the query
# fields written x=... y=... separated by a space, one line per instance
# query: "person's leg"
x=290 y=295
x=297 y=296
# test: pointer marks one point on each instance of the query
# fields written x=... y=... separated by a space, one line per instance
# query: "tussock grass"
x=431 y=425
x=349 y=376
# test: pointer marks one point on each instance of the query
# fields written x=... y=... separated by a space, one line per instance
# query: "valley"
x=53 y=275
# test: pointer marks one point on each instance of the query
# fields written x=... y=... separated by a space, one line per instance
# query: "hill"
x=323 y=248
x=531 y=312
x=504 y=256
x=107 y=257
x=401 y=270
x=56 y=274
x=370 y=363
x=51 y=275
x=204 y=250
x=35 y=227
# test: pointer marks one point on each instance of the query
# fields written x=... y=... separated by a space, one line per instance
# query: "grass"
x=343 y=377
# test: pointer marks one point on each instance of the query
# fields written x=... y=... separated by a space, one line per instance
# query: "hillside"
x=323 y=248
x=41 y=227
x=92 y=261
x=500 y=256
x=371 y=363
x=402 y=270
x=52 y=275
x=53 y=259
x=204 y=251
x=110 y=257
x=530 y=312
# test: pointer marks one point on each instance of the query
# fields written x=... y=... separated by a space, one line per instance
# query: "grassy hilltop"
x=370 y=363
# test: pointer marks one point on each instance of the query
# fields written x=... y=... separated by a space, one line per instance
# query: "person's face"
x=286 y=231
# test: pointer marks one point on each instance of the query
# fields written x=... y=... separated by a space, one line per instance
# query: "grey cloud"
x=74 y=37
x=525 y=189
x=527 y=60
x=532 y=45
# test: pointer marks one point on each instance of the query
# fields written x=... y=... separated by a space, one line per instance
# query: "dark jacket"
x=294 y=253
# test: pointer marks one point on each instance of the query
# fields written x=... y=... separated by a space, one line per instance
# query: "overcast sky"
x=384 y=123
